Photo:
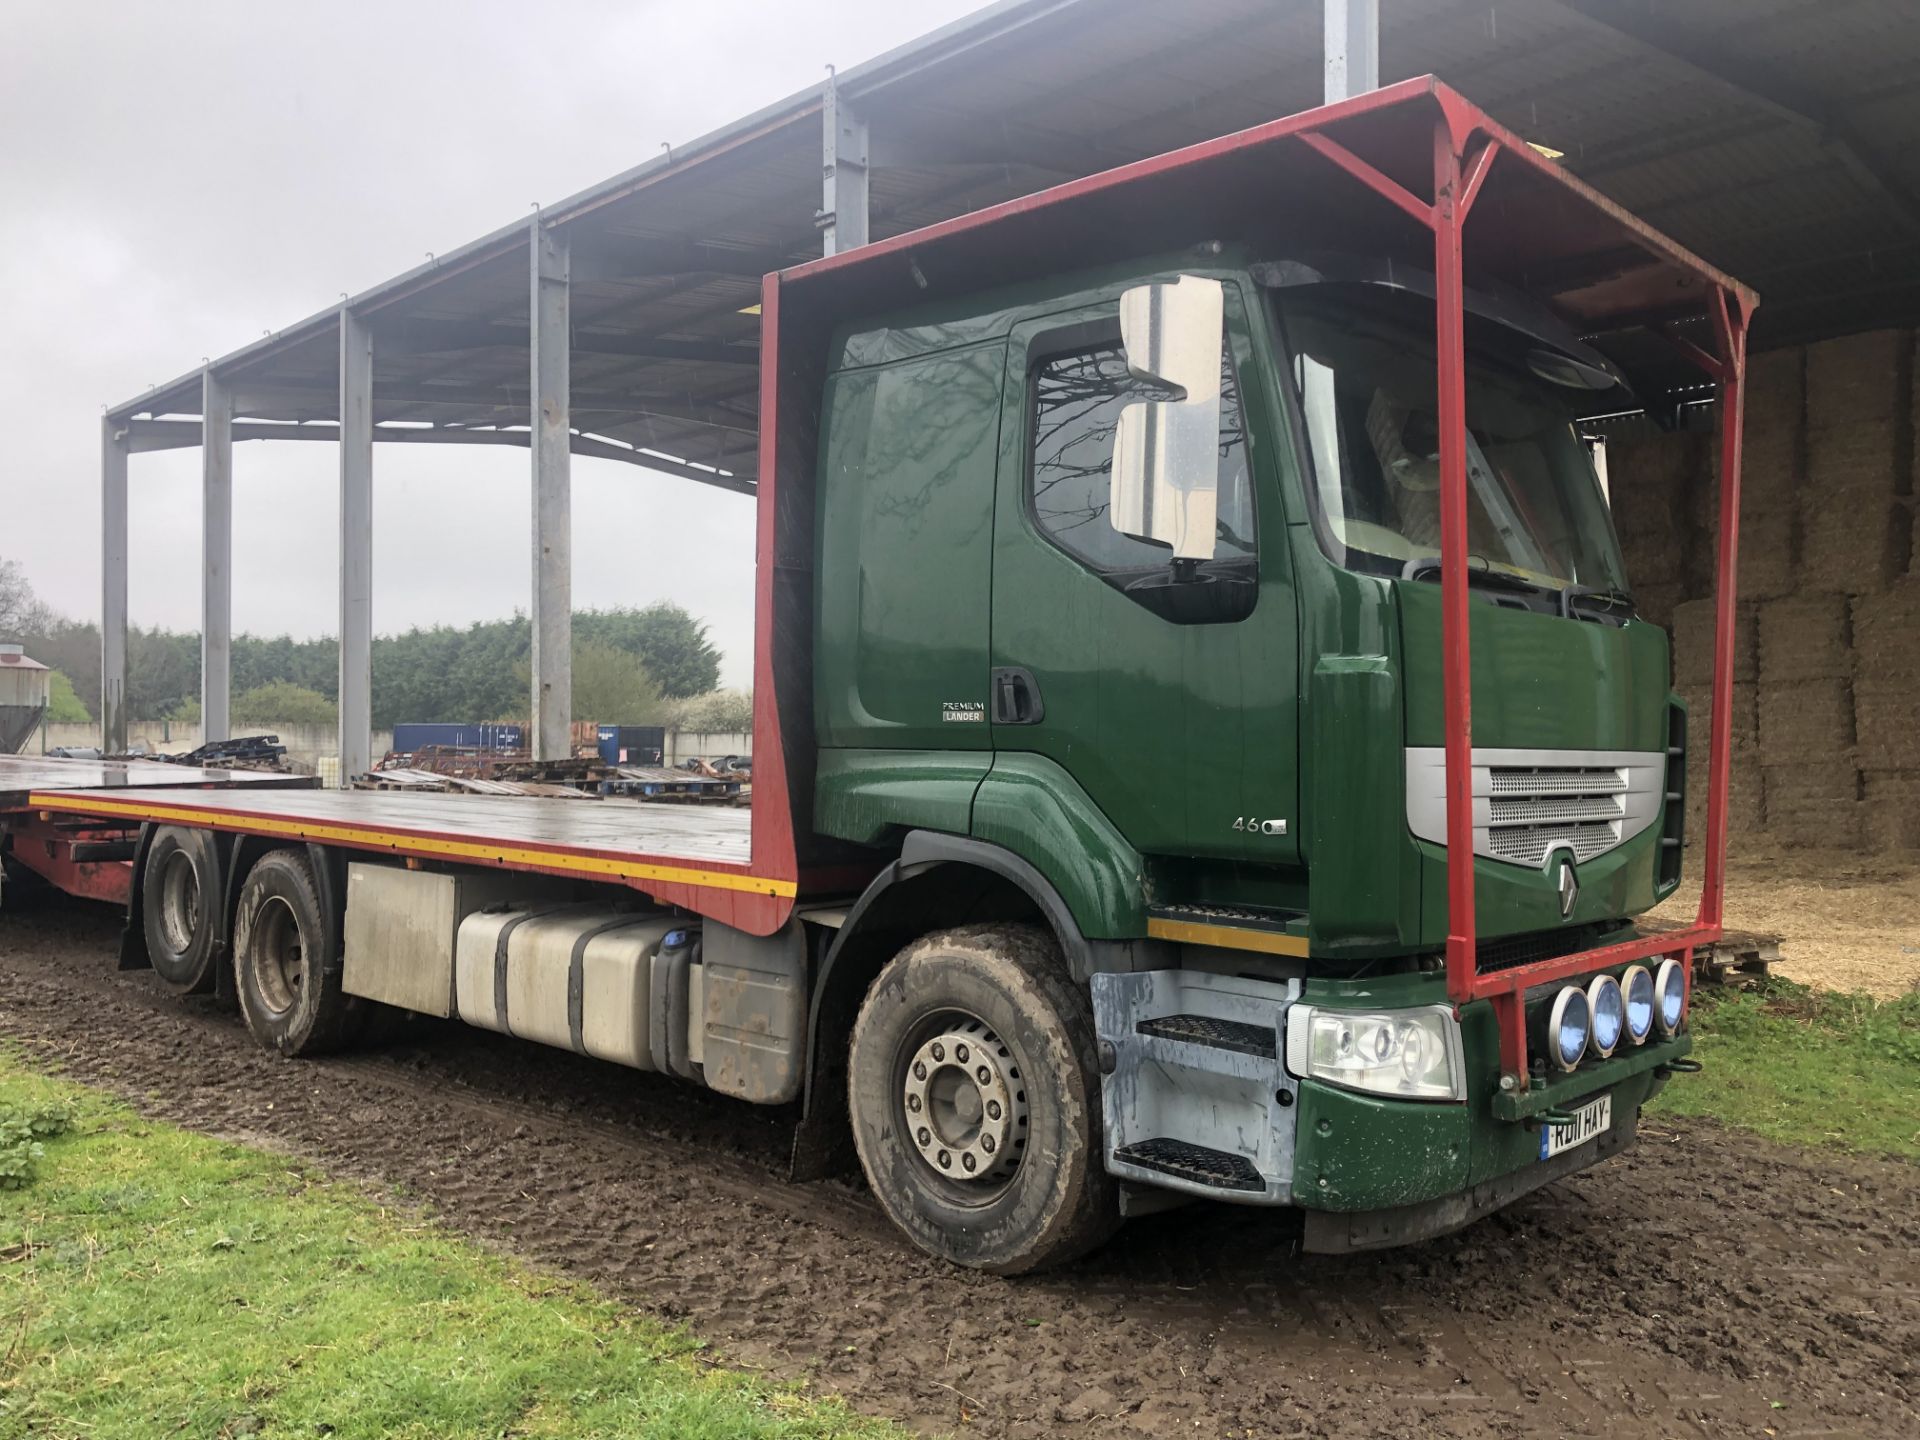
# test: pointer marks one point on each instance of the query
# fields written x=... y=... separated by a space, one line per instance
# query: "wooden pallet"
x=1739 y=957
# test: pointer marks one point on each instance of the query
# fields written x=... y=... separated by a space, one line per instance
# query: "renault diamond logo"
x=1569 y=888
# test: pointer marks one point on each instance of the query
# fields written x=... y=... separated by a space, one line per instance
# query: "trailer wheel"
x=284 y=949
x=974 y=1092
x=180 y=908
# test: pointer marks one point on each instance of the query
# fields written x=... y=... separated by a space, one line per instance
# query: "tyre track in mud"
x=1704 y=1283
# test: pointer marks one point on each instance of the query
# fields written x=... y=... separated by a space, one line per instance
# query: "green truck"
x=1206 y=744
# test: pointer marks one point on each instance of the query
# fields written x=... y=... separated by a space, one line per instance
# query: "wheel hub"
x=965 y=1109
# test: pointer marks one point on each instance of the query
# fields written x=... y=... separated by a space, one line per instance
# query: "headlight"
x=1669 y=996
x=1568 y=1027
x=1637 y=986
x=1609 y=1010
x=1409 y=1054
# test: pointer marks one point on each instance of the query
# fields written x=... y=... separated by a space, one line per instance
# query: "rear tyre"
x=180 y=900
x=974 y=1093
x=285 y=960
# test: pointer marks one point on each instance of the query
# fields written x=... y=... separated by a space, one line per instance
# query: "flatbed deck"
x=21 y=775
x=615 y=840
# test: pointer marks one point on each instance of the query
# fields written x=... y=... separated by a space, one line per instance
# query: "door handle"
x=1016 y=697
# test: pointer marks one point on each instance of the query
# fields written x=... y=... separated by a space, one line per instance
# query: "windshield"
x=1364 y=361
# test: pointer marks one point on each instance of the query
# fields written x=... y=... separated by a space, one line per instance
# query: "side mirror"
x=1166 y=453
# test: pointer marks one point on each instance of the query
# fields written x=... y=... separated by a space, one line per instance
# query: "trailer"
x=1255 y=451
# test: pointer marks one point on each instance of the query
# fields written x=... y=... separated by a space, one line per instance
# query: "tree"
x=718 y=711
x=63 y=705
x=21 y=613
x=669 y=641
x=611 y=687
x=280 y=702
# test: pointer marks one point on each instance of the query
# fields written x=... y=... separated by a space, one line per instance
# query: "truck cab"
x=1136 y=609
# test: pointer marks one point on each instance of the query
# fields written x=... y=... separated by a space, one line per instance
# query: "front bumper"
x=1197 y=1098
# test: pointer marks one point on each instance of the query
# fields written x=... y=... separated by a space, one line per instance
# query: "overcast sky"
x=179 y=178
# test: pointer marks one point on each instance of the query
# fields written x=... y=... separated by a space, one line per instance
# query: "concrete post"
x=216 y=557
x=843 y=190
x=356 y=546
x=552 y=711
x=113 y=585
x=1352 y=48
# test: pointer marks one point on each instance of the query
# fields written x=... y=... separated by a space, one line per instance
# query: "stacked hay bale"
x=1886 y=638
x=1806 y=721
x=1773 y=450
x=1693 y=630
x=1859 y=452
x=1649 y=480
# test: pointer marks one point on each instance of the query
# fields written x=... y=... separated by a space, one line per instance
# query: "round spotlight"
x=1669 y=996
x=1568 y=1027
x=1609 y=1010
x=1637 y=987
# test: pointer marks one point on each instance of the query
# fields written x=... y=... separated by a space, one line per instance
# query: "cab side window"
x=1077 y=398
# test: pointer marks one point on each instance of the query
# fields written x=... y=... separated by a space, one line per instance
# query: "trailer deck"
x=635 y=843
x=21 y=775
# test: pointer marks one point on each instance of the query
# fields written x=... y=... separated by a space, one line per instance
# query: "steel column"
x=843 y=188
x=356 y=546
x=552 y=711
x=1352 y=48
x=114 y=437
x=216 y=557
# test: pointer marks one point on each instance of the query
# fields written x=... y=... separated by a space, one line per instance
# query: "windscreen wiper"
x=1484 y=575
x=1608 y=599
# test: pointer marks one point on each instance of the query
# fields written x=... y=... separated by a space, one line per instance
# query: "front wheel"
x=974 y=1094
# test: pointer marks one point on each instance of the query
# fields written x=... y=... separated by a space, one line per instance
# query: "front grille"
x=1508 y=951
x=1530 y=805
x=1559 y=780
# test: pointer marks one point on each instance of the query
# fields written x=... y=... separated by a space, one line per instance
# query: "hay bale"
x=1805 y=638
x=1892 y=803
x=1887 y=721
x=1648 y=473
x=1746 y=815
x=1891 y=799
x=1655 y=603
x=1815 y=804
x=1744 y=729
x=1806 y=720
x=1693 y=624
x=1658 y=558
x=1858 y=429
x=1886 y=628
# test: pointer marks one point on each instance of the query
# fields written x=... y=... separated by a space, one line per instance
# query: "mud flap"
x=1195 y=1097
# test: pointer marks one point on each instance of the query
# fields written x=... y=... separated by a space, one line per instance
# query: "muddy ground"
x=1704 y=1284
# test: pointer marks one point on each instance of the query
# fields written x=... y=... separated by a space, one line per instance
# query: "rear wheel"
x=180 y=898
x=975 y=1100
x=284 y=960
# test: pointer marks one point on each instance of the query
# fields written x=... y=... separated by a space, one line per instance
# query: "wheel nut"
x=939 y=1051
x=913 y=1103
x=946 y=1160
x=919 y=1070
x=923 y=1135
x=983 y=1075
x=966 y=1162
x=993 y=1109
x=960 y=1053
x=986 y=1143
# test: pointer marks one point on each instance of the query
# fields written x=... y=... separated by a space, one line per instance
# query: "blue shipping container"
x=632 y=744
x=410 y=737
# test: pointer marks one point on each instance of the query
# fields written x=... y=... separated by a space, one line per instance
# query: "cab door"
x=1173 y=709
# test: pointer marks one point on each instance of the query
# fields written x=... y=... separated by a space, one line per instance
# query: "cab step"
x=1195 y=1164
x=1235 y=1035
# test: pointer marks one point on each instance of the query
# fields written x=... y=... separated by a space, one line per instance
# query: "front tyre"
x=284 y=949
x=974 y=1092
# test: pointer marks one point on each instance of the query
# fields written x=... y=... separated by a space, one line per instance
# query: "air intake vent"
x=1531 y=804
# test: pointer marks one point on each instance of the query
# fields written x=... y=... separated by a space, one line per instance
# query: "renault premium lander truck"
x=1205 y=746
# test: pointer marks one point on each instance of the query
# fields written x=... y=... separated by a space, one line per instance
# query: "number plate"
x=1589 y=1121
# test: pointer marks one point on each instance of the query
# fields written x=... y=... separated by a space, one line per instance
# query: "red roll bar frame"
x=1361 y=135
x=1465 y=147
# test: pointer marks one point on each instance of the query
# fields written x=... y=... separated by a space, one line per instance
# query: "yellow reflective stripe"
x=416 y=844
x=1232 y=937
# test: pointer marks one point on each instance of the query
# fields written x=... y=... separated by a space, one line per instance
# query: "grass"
x=1807 y=1067
x=155 y=1282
